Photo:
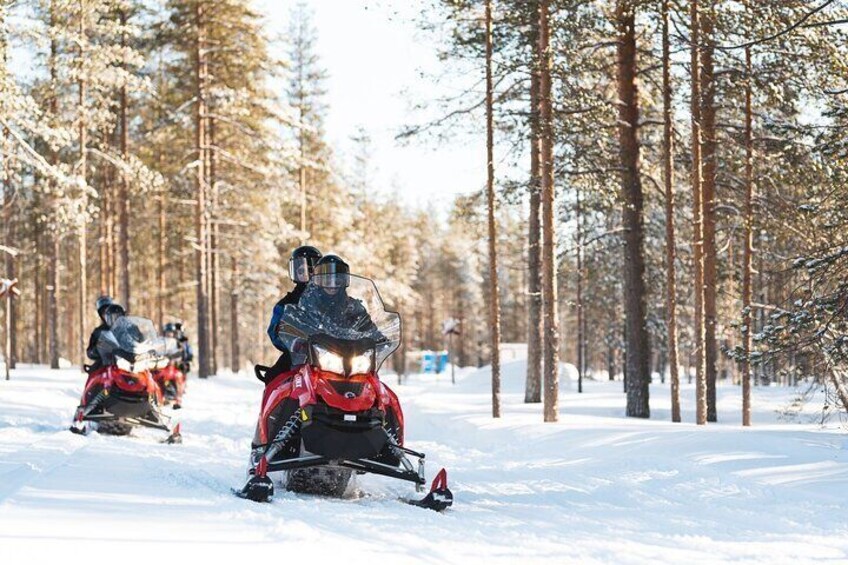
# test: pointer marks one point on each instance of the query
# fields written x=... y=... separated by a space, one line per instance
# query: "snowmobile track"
x=39 y=460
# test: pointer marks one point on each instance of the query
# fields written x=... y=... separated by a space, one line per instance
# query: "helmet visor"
x=112 y=314
x=331 y=275
x=299 y=269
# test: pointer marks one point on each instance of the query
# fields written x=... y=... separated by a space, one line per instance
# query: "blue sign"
x=434 y=361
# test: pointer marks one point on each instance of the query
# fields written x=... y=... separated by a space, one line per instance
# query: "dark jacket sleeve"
x=291 y=298
x=188 y=355
x=91 y=350
x=272 y=327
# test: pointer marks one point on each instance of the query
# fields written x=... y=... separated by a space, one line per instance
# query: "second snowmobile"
x=122 y=393
x=172 y=383
x=331 y=416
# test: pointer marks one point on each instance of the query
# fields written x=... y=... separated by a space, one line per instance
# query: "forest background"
x=662 y=185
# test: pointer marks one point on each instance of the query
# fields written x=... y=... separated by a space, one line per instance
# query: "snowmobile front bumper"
x=109 y=417
x=340 y=435
x=124 y=405
x=363 y=465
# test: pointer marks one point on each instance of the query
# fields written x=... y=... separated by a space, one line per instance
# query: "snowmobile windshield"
x=136 y=335
x=133 y=345
x=354 y=314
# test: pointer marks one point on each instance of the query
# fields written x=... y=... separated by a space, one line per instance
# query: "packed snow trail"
x=595 y=487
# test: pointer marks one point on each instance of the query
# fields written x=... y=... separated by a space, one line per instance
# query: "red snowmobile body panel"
x=118 y=400
x=309 y=386
x=111 y=377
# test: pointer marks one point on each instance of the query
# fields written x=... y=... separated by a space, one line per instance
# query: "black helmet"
x=331 y=272
x=102 y=303
x=174 y=330
x=111 y=312
x=301 y=263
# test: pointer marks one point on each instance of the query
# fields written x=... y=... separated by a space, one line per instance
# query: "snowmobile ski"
x=175 y=437
x=439 y=498
x=257 y=489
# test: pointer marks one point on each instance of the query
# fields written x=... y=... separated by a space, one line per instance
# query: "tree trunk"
x=12 y=273
x=72 y=311
x=53 y=285
x=494 y=302
x=235 y=357
x=708 y=164
x=162 y=201
x=748 y=252
x=670 y=252
x=81 y=166
x=302 y=146
x=533 y=384
x=638 y=351
x=180 y=281
x=103 y=258
x=110 y=244
x=160 y=261
x=54 y=303
x=581 y=336
x=200 y=190
x=39 y=300
x=697 y=221
x=550 y=340
x=126 y=291
x=214 y=291
x=10 y=263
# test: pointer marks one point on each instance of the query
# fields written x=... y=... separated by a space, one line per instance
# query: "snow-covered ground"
x=595 y=487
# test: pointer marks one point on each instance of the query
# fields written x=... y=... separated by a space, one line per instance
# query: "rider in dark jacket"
x=175 y=330
x=332 y=277
x=108 y=311
x=301 y=264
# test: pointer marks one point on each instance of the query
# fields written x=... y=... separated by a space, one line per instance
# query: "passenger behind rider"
x=175 y=330
x=301 y=264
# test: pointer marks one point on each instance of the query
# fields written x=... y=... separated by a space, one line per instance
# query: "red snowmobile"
x=122 y=393
x=172 y=378
x=331 y=416
x=172 y=383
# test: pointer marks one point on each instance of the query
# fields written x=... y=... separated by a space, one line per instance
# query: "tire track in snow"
x=39 y=459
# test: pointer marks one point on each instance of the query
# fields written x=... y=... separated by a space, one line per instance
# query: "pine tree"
x=638 y=353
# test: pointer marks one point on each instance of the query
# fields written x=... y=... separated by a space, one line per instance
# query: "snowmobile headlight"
x=361 y=363
x=329 y=361
x=143 y=362
x=123 y=364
